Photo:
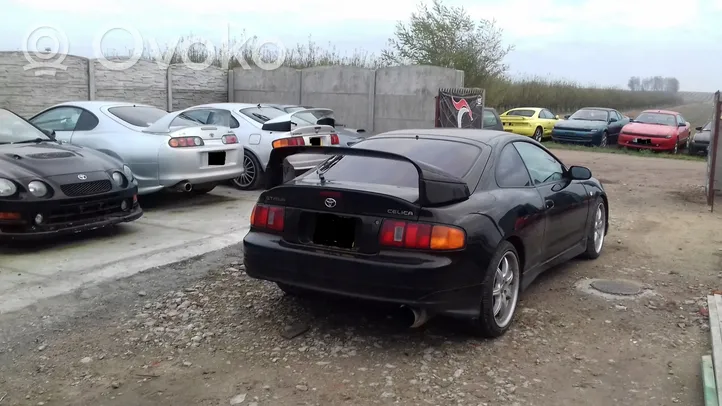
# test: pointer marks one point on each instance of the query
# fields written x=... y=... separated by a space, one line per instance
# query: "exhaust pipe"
x=421 y=316
x=184 y=187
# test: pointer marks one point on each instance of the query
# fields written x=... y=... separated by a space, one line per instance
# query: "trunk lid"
x=315 y=125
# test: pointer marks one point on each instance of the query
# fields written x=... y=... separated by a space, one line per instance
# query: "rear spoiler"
x=436 y=187
x=283 y=123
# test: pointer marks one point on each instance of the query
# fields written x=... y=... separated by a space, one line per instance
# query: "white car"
x=163 y=150
x=260 y=128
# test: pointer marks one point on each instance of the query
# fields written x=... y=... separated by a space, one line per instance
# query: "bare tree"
x=634 y=84
x=448 y=36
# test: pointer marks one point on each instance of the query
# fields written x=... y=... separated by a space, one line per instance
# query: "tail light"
x=405 y=234
x=334 y=139
x=289 y=142
x=181 y=142
x=229 y=139
x=268 y=217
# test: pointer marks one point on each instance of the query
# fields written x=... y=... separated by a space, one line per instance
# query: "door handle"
x=549 y=204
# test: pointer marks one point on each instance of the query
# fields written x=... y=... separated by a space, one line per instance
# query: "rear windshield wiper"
x=34 y=140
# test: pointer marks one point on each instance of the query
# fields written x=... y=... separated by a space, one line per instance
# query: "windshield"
x=708 y=127
x=15 y=129
x=453 y=157
x=262 y=114
x=590 y=114
x=522 y=113
x=139 y=116
x=657 y=118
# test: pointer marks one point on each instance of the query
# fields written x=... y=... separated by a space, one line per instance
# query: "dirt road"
x=203 y=333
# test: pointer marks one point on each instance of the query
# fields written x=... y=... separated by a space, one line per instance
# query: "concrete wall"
x=375 y=100
x=27 y=91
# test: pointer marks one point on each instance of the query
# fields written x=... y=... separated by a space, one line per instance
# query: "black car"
x=48 y=188
x=699 y=143
x=442 y=221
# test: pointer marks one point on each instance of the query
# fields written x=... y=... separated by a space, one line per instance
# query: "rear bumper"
x=449 y=285
x=655 y=143
x=699 y=147
x=67 y=216
x=197 y=165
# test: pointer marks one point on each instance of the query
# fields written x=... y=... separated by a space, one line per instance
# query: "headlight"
x=118 y=178
x=128 y=172
x=37 y=188
x=7 y=188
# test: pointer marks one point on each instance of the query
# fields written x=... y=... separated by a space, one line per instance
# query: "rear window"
x=139 y=116
x=452 y=157
x=522 y=113
x=262 y=114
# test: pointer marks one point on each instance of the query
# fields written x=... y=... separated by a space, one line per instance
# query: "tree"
x=671 y=85
x=449 y=37
x=635 y=83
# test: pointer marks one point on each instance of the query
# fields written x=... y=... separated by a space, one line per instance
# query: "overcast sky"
x=590 y=41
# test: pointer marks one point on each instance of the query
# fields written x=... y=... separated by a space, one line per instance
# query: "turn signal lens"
x=404 y=234
x=182 y=142
x=268 y=217
x=289 y=142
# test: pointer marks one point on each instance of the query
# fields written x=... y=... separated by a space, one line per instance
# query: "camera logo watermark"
x=49 y=61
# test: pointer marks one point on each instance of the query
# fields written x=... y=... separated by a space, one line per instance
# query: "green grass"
x=682 y=155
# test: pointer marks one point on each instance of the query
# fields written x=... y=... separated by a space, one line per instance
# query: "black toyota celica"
x=441 y=221
x=48 y=188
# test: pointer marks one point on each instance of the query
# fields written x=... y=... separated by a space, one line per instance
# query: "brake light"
x=181 y=142
x=268 y=217
x=334 y=139
x=289 y=142
x=404 y=234
x=229 y=139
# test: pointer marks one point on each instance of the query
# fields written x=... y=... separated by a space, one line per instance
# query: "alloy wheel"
x=249 y=175
x=599 y=226
x=538 y=134
x=603 y=141
x=506 y=289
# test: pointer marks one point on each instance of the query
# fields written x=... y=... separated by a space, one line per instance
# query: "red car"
x=660 y=130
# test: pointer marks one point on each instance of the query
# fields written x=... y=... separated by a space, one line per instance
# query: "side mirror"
x=580 y=173
x=682 y=125
x=613 y=120
x=567 y=116
x=698 y=128
x=49 y=133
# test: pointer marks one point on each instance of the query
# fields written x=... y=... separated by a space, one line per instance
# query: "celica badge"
x=330 y=203
x=82 y=177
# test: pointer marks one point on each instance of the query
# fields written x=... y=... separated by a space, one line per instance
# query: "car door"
x=548 y=120
x=684 y=129
x=565 y=201
x=616 y=122
x=61 y=119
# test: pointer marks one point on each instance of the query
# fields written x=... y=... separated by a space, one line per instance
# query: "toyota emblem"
x=330 y=203
x=82 y=177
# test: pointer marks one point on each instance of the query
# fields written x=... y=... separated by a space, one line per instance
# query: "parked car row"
x=660 y=130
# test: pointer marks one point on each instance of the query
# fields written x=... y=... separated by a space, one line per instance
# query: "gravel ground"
x=203 y=333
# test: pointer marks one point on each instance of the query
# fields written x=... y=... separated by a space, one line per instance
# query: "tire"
x=594 y=249
x=202 y=189
x=488 y=325
x=538 y=134
x=253 y=177
x=604 y=141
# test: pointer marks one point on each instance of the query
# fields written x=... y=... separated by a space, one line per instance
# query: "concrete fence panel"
x=193 y=87
x=282 y=86
x=405 y=95
x=27 y=91
x=349 y=91
x=145 y=82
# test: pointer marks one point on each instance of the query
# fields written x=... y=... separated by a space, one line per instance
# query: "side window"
x=234 y=122
x=489 y=119
x=681 y=120
x=58 y=119
x=617 y=115
x=510 y=171
x=547 y=114
x=87 y=121
x=542 y=167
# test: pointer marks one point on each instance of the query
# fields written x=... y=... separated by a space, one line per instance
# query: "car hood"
x=648 y=129
x=580 y=124
x=18 y=161
x=703 y=136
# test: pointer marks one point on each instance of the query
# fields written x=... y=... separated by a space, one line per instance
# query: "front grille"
x=643 y=135
x=86 y=188
x=84 y=211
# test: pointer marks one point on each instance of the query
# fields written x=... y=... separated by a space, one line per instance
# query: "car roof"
x=234 y=105
x=597 y=108
x=661 y=111
x=526 y=108
x=467 y=134
x=96 y=104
